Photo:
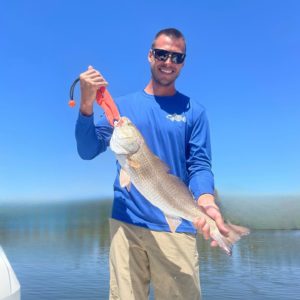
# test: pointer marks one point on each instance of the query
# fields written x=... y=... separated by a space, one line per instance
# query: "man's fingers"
x=206 y=231
x=199 y=223
x=202 y=226
x=99 y=80
x=221 y=225
x=93 y=77
x=214 y=244
x=94 y=80
x=90 y=72
x=216 y=215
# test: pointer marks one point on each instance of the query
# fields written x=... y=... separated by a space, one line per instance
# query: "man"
x=176 y=129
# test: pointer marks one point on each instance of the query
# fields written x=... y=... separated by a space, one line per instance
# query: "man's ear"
x=150 y=56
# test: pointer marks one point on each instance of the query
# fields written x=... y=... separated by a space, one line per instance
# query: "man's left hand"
x=207 y=202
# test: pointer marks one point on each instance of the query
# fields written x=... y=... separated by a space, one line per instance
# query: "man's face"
x=165 y=73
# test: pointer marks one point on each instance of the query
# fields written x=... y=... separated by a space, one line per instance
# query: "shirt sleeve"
x=92 y=139
x=201 y=179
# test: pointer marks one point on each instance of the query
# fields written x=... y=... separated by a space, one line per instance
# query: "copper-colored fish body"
x=151 y=178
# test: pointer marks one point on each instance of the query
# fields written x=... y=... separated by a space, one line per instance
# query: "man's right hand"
x=90 y=81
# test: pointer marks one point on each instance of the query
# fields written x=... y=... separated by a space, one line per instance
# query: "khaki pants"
x=139 y=255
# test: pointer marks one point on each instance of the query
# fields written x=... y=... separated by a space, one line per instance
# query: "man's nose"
x=169 y=59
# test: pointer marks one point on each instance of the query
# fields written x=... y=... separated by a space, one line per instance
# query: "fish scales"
x=151 y=178
x=162 y=189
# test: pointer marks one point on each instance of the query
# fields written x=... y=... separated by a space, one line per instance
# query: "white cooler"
x=9 y=284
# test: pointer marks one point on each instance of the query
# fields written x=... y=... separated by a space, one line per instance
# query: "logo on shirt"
x=176 y=118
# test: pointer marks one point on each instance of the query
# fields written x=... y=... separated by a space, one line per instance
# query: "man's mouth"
x=166 y=71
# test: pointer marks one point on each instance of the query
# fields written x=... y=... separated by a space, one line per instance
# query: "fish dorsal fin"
x=173 y=222
x=125 y=180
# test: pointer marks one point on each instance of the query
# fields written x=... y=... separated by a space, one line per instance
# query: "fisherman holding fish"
x=164 y=188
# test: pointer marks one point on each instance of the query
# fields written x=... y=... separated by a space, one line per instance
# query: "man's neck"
x=159 y=90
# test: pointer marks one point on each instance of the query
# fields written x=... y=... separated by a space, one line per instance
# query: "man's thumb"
x=90 y=67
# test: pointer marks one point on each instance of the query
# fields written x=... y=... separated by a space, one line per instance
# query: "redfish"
x=152 y=179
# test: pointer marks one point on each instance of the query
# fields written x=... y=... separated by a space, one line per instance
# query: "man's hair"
x=170 y=32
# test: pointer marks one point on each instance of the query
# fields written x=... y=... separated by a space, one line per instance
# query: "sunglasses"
x=163 y=55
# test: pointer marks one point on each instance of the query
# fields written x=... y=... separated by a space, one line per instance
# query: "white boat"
x=9 y=284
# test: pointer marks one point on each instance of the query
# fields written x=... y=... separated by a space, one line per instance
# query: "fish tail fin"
x=235 y=234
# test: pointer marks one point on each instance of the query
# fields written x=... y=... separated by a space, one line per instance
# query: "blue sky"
x=243 y=65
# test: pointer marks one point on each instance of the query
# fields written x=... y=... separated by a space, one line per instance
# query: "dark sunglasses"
x=163 y=55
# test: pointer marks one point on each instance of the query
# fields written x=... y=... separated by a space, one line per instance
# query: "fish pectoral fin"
x=173 y=222
x=125 y=180
x=133 y=163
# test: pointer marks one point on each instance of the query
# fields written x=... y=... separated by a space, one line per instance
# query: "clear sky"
x=243 y=65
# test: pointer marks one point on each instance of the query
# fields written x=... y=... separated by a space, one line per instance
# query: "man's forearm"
x=88 y=145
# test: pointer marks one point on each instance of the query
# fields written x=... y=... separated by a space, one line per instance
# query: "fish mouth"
x=119 y=123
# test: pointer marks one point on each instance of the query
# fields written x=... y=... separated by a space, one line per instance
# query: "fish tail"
x=235 y=234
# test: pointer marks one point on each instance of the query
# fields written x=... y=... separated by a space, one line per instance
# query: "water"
x=60 y=251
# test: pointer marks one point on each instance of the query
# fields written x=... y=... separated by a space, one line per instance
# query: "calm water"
x=60 y=251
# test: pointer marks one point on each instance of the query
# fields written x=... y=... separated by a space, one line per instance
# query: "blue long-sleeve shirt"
x=176 y=129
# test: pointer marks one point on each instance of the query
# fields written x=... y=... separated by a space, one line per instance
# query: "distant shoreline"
x=275 y=213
